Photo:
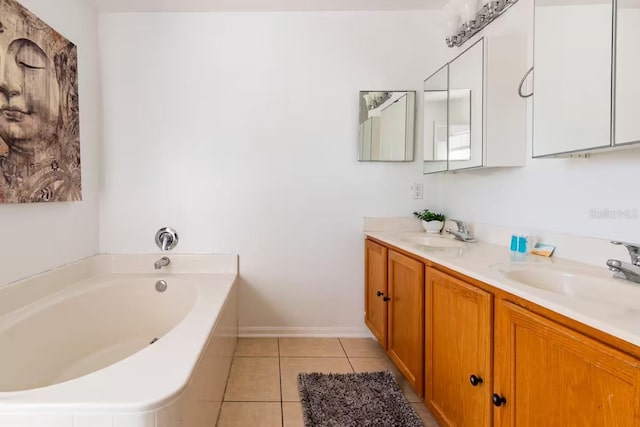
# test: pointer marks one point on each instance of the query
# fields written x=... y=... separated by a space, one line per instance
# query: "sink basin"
x=434 y=242
x=574 y=282
x=558 y=281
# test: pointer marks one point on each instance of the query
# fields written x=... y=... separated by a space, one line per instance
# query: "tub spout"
x=162 y=262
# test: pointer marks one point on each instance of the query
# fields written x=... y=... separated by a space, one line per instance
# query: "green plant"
x=427 y=215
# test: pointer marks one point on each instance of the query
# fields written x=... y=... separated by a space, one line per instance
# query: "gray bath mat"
x=355 y=400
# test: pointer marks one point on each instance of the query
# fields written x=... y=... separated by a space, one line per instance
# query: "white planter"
x=432 y=226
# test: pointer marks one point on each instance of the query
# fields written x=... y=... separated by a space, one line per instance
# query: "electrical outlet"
x=417 y=190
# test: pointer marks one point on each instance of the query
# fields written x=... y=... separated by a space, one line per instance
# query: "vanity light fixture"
x=489 y=11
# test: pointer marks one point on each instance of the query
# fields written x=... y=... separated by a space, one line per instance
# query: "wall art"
x=39 y=110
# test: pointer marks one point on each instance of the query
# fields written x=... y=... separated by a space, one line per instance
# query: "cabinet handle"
x=379 y=293
x=385 y=299
x=475 y=380
x=498 y=400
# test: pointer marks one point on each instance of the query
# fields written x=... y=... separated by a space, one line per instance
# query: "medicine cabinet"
x=436 y=121
x=587 y=62
x=627 y=82
x=473 y=116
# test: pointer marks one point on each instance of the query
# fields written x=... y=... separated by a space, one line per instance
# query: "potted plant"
x=431 y=221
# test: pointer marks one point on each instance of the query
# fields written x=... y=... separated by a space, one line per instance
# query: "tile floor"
x=262 y=390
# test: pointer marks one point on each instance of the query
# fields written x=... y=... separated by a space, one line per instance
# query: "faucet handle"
x=633 y=248
x=166 y=238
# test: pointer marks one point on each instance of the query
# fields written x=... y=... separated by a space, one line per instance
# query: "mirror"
x=572 y=77
x=627 y=127
x=386 y=124
x=466 y=75
x=436 y=121
x=460 y=128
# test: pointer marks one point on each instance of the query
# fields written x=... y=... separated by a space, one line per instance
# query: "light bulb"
x=452 y=18
x=467 y=9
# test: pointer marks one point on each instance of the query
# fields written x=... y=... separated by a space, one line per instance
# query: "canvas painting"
x=39 y=114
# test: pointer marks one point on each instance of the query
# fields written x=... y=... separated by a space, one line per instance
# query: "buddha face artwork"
x=39 y=114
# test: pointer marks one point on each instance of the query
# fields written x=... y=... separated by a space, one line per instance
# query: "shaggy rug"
x=354 y=400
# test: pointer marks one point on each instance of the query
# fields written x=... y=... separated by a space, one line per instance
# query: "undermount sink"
x=573 y=282
x=434 y=242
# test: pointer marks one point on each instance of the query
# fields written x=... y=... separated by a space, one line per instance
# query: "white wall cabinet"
x=486 y=120
x=627 y=84
x=436 y=122
x=586 y=87
x=572 y=79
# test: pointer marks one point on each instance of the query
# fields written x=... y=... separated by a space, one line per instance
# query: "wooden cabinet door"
x=406 y=317
x=552 y=376
x=375 y=308
x=458 y=338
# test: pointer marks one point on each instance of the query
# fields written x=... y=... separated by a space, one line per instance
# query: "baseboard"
x=311 y=332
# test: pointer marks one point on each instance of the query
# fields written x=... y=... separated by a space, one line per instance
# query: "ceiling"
x=261 y=5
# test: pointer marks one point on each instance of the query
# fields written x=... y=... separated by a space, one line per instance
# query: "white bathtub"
x=76 y=343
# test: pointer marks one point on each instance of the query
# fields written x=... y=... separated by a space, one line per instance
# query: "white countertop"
x=618 y=314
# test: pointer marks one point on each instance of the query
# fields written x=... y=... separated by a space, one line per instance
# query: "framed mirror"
x=466 y=102
x=460 y=105
x=386 y=126
x=436 y=121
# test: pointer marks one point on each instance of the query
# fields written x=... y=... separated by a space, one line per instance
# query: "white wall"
x=38 y=237
x=240 y=130
x=557 y=195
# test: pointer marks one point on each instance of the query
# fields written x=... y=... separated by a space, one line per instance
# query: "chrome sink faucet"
x=624 y=270
x=462 y=233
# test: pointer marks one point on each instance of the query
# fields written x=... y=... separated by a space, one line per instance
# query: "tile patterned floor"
x=262 y=390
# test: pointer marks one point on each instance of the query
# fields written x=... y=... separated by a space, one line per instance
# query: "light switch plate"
x=417 y=190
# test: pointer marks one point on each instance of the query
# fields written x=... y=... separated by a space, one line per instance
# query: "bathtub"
x=96 y=344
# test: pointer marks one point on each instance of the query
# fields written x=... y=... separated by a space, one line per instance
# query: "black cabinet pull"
x=498 y=400
x=379 y=293
x=475 y=380
x=385 y=299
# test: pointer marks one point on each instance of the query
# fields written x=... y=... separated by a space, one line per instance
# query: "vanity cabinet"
x=552 y=375
x=394 y=308
x=406 y=314
x=511 y=367
x=473 y=116
x=375 y=297
x=485 y=357
x=458 y=364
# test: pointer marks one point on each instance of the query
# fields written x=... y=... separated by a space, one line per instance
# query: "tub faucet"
x=462 y=233
x=162 y=262
x=624 y=270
